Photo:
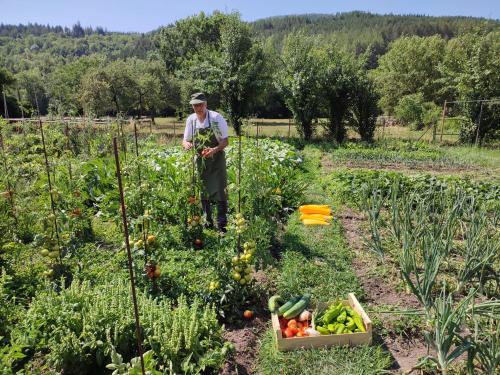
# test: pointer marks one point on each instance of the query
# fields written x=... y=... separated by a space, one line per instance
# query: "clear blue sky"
x=146 y=15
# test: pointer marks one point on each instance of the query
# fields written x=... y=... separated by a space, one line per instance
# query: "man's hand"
x=187 y=145
x=209 y=152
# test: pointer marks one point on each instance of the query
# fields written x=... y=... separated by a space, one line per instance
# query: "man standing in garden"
x=207 y=132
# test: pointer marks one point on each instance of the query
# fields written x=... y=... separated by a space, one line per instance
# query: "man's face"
x=200 y=108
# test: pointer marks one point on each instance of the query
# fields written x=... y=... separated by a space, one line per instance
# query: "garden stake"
x=442 y=120
x=9 y=186
x=257 y=134
x=239 y=187
x=47 y=167
x=123 y=138
x=129 y=255
x=479 y=124
x=141 y=197
x=87 y=133
x=68 y=145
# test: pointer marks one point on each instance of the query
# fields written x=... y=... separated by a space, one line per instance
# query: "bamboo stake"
x=141 y=197
x=68 y=146
x=239 y=187
x=47 y=167
x=129 y=255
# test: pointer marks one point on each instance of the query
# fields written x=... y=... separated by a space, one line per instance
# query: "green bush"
x=410 y=110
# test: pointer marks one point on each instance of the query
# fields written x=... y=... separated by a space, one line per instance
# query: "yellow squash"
x=315 y=222
x=316 y=216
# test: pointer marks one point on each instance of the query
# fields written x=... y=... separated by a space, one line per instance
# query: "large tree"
x=471 y=68
x=95 y=93
x=364 y=107
x=240 y=70
x=217 y=55
x=299 y=81
x=338 y=81
x=32 y=89
x=64 y=84
x=410 y=66
x=149 y=96
x=122 y=85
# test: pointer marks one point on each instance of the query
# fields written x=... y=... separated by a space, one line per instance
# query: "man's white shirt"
x=217 y=123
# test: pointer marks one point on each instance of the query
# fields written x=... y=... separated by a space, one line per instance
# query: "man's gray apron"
x=212 y=172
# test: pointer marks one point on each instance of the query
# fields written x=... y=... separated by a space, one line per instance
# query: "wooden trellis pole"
x=47 y=168
x=479 y=124
x=129 y=254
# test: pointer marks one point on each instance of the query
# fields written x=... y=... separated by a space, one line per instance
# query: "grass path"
x=319 y=260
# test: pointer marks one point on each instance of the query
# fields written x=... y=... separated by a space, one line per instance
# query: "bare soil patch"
x=246 y=340
x=406 y=351
x=245 y=335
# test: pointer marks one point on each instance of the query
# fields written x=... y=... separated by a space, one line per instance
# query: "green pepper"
x=359 y=323
x=322 y=330
x=355 y=314
x=342 y=317
x=350 y=323
x=340 y=328
x=332 y=327
x=332 y=313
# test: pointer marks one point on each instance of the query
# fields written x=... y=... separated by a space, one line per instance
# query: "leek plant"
x=421 y=280
x=486 y=349
x=445 y=337
x=479 y=253
x=373 y=200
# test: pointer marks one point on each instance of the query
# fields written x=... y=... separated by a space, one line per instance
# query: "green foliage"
x=338 y=82
x=486 y=346
x=359 y=32
x=79 y=327
x=471 y=68
x=217 y=55
x=299 y=81
x=240 y=70
x=409 y=67
x=349 y=184
x=8 y=309
x=412 y=110
x=364 y=107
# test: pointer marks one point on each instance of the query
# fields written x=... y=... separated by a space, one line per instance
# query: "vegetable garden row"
x=65 y=301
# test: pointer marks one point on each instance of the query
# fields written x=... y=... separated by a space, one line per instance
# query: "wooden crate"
x=307 y=342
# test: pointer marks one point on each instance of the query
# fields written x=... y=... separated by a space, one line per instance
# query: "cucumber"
x=298 y=307
x=274 y=303
x=288 y=305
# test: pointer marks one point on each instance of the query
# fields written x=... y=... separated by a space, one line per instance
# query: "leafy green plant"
x=75 y=327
